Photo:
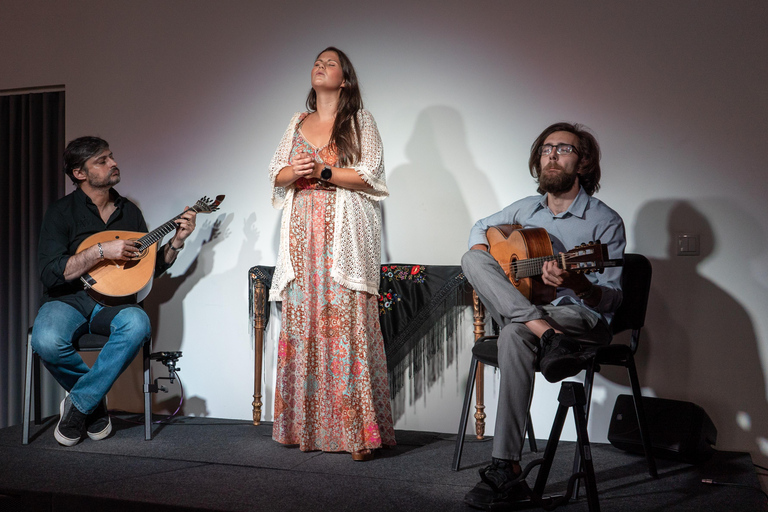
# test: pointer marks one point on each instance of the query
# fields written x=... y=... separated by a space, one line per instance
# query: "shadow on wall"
x=169 y=292
x=427 y=219
x=699 y=343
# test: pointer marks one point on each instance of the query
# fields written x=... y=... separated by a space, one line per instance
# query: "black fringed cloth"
x=420 y=309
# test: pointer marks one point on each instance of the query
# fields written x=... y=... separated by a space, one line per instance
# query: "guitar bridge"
x=87 y=280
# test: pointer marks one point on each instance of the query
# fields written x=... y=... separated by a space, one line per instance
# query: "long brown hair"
x=589 y=155
x=346 y=127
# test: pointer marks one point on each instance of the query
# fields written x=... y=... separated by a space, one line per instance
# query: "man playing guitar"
x=565 y=161
x=68 y=311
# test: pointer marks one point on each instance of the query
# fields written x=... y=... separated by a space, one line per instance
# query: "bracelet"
x=171 y=247
x=588 y=293
x=101 y=251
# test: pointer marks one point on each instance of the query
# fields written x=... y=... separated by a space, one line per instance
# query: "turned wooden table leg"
x=479 y=324
x=259 y=324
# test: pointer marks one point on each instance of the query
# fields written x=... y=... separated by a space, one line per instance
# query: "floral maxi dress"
x=332 y=392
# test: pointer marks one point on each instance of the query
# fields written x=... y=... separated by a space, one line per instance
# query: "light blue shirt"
x=587 y=220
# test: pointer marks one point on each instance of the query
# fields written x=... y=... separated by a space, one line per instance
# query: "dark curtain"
x=31 y=178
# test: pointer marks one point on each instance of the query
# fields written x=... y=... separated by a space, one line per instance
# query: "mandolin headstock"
x=206 y=205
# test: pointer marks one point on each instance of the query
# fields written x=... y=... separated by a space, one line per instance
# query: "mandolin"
x=112 y=282
x=521 y=252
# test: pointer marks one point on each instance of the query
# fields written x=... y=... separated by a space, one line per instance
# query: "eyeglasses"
x=562 y=149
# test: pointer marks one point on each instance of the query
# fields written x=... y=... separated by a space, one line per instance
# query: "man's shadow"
x=168 y=293
x=699 y=344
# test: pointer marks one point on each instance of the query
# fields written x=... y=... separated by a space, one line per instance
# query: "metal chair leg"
x=589 y=381
x=147 y=394
x=531 y=435
x=645 y=435
x=27 y=391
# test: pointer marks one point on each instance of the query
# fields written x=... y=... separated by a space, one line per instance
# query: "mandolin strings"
x=203 y=205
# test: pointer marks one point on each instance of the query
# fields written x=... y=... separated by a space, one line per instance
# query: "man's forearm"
x=80 y=263
x=171 y=250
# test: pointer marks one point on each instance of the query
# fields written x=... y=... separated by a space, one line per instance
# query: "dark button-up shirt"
x=68 y=222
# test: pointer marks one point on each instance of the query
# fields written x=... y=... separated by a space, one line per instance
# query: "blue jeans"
x=58 y=324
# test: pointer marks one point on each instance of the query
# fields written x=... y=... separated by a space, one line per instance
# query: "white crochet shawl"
x=357 y=235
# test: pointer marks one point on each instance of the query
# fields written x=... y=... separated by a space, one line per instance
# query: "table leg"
x=259 y=324
x=479 y=331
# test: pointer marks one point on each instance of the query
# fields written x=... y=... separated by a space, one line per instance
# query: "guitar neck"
x=530 y=267
x=157 y=234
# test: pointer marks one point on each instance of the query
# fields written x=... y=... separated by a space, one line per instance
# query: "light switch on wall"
x=687 y=244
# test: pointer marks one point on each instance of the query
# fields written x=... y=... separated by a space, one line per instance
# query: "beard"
x=106 y=182
x=557 y=183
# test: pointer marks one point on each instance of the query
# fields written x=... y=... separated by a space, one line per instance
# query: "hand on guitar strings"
x=185 y=225
x=120 y=250
x=553 y=275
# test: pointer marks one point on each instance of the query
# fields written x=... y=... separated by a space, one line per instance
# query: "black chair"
x=636 y=285
x=86 y=343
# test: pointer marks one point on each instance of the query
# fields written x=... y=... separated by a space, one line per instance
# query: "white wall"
x=194 y=96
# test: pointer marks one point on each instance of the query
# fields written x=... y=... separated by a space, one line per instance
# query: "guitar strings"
x=534 y=264
x=159 y=233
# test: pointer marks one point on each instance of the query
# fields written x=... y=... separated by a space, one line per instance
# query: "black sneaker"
x=561 y=356
x=70 y=428
x=498 y=488
x=97 y=424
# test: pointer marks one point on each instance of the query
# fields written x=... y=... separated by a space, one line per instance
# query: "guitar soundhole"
x=512 y=273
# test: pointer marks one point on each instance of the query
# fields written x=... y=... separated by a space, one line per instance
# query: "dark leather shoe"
x=498 y=488
x=561 y=356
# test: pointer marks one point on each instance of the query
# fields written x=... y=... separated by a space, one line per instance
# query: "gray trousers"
x=518 y=346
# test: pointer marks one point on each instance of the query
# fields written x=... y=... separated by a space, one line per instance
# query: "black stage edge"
x=227 y=465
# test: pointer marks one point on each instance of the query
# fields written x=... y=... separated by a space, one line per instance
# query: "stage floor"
x=227 y=465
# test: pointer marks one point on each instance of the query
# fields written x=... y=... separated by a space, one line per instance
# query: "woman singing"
x=328 y=177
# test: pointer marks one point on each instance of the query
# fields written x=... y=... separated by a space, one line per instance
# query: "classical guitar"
x=113 y=282
x=521 y=252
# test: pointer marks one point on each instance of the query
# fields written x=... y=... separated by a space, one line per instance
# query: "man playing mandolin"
x=565 y=160
x=68 y=311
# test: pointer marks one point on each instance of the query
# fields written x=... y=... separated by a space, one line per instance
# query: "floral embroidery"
x=413 y=273
x=388 y=299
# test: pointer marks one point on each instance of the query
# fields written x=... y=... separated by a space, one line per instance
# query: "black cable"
x=761 y=467
x=709 y=481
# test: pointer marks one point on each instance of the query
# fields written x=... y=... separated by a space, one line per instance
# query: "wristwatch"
x=326 y=173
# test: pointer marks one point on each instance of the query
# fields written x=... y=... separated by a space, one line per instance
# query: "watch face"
x=326 y=173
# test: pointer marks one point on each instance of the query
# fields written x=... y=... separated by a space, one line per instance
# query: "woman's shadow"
x=699 y=344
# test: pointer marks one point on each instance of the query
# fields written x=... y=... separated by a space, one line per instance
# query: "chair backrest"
x=636 y=286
